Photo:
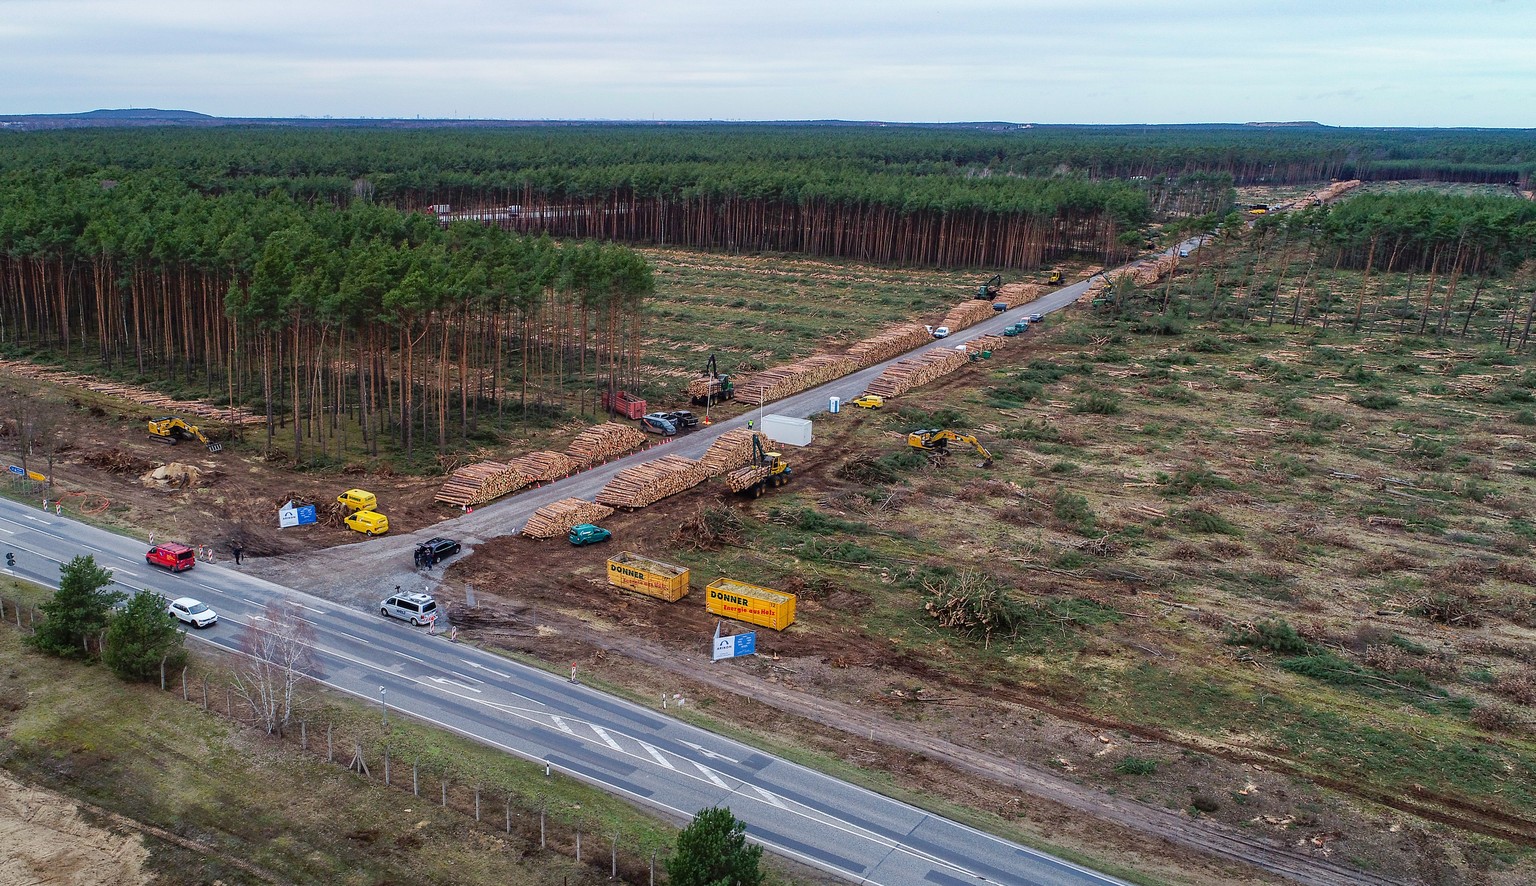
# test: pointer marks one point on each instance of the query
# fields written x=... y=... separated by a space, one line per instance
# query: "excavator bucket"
x=215 y=447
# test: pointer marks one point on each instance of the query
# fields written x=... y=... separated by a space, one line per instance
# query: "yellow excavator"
x=936 y=442
x=171 y=430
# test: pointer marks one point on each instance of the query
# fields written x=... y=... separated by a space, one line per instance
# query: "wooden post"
x=578 y=842
x=613 y=872
x=229 y=704
x=183 y=684
x=205 y=693
x=330 y=748
x=653 y=867
x=303 y=735
x=541 y=827
x=445 y=791
x=162 y=673
x=415 y=778
x=509 y=813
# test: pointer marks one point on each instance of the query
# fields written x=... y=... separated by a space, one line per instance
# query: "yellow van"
x=358 y=500
x=369 y=523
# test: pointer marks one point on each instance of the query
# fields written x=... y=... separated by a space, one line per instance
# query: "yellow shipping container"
x=750 y=603
x=651 y=577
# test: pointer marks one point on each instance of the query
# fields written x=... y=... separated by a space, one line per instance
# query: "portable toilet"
x=834 y=404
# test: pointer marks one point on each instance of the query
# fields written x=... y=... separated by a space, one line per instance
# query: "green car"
x=587 y=534
x=1016 y=329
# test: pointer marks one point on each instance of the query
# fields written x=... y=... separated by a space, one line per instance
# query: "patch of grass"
x=1375 y=400
x=1207 y=522
x=1098 y=403
x=1136 y=766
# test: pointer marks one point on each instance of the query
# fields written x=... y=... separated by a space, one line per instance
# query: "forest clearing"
x=1251 y=555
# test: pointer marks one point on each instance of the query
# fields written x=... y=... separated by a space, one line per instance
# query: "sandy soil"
x=46 y=841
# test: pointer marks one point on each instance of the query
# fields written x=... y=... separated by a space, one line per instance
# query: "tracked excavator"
x=171 y=430
x=935 y=442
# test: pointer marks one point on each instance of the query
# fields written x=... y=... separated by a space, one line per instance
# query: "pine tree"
x=142 y=637
x=78 y=611
x=713 y=851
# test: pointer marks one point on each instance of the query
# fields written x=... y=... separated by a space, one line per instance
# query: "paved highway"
x=621 y=747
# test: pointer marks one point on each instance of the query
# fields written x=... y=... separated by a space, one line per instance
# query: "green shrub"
x=1074 y=510
x=1274 y=635
x=1098 y=403
x=1136 y=766
x=1208 y=344
x=1207 y=522
x=1374 y=401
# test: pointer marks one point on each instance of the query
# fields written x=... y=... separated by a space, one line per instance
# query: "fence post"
x=303 y=735
x=509 y=813
x=445 y=791
x=415 y=783
x=541 y=827
x=162 y=673
x=477 y=802
x=578 y=842
x=386 y=764
x=183 y=684
x=613 y=872
x=229 y=703
x=205 y=693
x=330 y=749
x=653 y=867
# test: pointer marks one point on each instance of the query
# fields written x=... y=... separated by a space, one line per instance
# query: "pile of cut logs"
x=792 y=378
x=893 y=341
x=1015 y=294
x=745 y=477
x=703 y=386
x=646 y=484
x=967 y=313
x=731 y=450
x=558 y=518
x=908 y=374
x=543 y=467
x=1325 y=194
x=985 y=343
x=480 y=482
x=143 y=396
x=602 y=442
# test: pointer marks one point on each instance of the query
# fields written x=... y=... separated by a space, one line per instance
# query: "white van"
x=418 y=609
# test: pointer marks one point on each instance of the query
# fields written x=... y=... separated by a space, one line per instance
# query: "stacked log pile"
x=908 y=374
x=731 y=450
x=1096 y=289
x=746 y=477
x=1331 y=192
x=161 y=404
x=967 y=313
x=703 y=386
x=602 y=442
x=648 y=483
x=1015 y=294
x=543 y=467
x=985 y=343
x=792 y=378
x=893 y=341
x=480 y=482
x=558 y=518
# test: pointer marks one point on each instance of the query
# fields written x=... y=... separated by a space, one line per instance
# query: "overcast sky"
x=1341 y=62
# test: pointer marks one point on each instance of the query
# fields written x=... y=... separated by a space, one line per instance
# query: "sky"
x=1344 y=62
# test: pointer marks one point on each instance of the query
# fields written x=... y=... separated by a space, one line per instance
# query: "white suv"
x=193 y=612
x=418 y=609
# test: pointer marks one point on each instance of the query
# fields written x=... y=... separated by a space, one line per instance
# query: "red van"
x=173 y=556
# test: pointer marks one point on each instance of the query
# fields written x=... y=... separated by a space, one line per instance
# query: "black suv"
x=685 y=420
x=429 y=553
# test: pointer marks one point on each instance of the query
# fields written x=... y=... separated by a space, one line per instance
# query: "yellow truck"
x=650 y=577
x=750 y=603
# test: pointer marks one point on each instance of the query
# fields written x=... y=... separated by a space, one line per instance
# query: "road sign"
x=17 y=471
x=34 y=475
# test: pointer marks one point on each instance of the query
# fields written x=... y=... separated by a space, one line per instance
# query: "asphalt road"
x=634 y=751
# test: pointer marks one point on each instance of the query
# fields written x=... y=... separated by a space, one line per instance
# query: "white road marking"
x=13 y=523
x=209 y=587
x=769 y=797
x=560 y=725
x=482 y=667
x=603 y=734
x=246 y=599
x=402 y=654
x=7 y=531
x=35 y=520
x=445 y=681
x=657 y=756
x=467 y=677
x=709 y=753
x=710 y=774
x=354 y=637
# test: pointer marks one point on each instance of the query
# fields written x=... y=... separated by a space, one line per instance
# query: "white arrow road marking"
x=445 y=681
x=657 y=756
x=709 y=774
x=560 y=725
x=607 y=739
x=769 y=797
x=482 y=667
x=709 y=753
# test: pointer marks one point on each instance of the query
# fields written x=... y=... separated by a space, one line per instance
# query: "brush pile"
x=480 y=482
x=602 y=442
x=917 y=371
x=648 y=483
x=792 y=378
x=558 y=518
x=888 y=344
x=732 y=450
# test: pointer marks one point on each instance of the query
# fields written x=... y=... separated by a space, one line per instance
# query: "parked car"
x=418 y=609
x=173 y=556
x=1035 y=318
x=434 y=551
x=369 y=523
x=193 y=612
x=683 y=420
x=1183 y=253
x=941 y=332
x=588 y=534
x=869 y=401
x=658 y=423
x=358 y=500
x=999 y=306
